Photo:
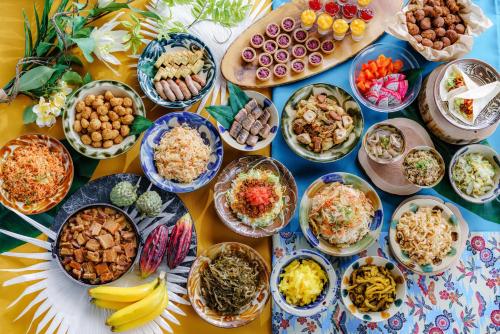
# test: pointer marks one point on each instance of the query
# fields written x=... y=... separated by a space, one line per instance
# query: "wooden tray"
x=389 y=177
x=234 y=70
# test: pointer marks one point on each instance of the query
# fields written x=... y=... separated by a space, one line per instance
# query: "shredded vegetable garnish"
x=474 y=175
x=230 y=283
x=422 y=167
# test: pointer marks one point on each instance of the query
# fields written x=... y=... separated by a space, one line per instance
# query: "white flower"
x=57 y=100
x=103 y=3
x=107 y=41
x=46 y=113
x=64 y=88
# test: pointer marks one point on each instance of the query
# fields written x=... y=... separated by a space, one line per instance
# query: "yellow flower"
x=45 y=113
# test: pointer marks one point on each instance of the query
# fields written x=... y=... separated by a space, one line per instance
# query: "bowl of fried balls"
x=98 y=118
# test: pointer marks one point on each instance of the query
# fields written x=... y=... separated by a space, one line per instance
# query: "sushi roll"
x=263 y=73
x=257 y=41
x=252 y=140
x=315 y=59
x=287 y=24
x=251 y=105
x=272 y=30
x=241 y=115
x=248 y=54
x=327 y=46
x=324 y=22
x=298 y=66
x=270 y=46
x=281 y=56
x=312 y=44
x=300 y=35
x=280 y=70
x=265 y=59
x=235 y=129
x=242 y=136
x=283 y=41
x=265 y=131
x=299 y=51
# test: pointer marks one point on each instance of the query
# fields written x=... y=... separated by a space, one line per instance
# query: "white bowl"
x=400 y=289
x=488 y=153
x=274 y=122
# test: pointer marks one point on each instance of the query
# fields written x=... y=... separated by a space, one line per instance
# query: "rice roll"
x=242 y=136
x=235 y=129
x=241 y=115
x=251 y=105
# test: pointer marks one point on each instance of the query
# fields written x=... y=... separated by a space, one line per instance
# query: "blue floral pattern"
x=464 y=299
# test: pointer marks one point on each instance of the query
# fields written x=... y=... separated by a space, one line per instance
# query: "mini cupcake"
x=265 y=59
x=299 y=51
x=272 y=30
x=257 y=41
x=283 y=40
x=298 y=66
x=332 y=8
x=280 y=70
x=248 y=54
x=308 y=17
x=324 y=23
x=340 y=28
x=270 y=46
x=281 y=56
x=263 y=73
x=312 y=44
x=300 y=35
x=364 y=3
x=327 y=46
x=366 y=14
x=287 y=24
x=349 y=11
x=315 y=59
x=358 y=28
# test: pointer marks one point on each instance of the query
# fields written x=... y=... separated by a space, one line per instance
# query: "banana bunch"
x=134 y=306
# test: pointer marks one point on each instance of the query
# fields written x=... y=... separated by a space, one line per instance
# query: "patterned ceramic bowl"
x=196 y=297
x=166 y=123
x=96 y=88
x=323 y=301
x=489 y=154
x=176 y=41
x=374 y=226
x=344 y=100
x=274 y=122
x=400 y=289
x=243 y=165
x=455 y=230
x=54 y=146
x=436 y=154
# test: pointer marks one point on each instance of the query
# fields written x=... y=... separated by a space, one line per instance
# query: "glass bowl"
x=394 y=52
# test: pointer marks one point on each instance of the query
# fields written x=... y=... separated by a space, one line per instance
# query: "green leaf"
x=87 y=78
x=87 y=45
x=148 y=68
x=237 y=97
x=28 y=37
x=69 y=59
x=109 y=8
x=412 y=75
x=43 y=48
x=72 y=77
x=222 y=114
x=28 y=115
x=35 y=78
x=146 y=13
x=83 y=32
x=140 y=125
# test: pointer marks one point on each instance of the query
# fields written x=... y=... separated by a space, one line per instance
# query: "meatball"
x=440 y=32
x=427 y=42
x=460 y=28
x=438 y=22
x=438 y=45
x=419 y=14
x=446 y=41
x=410 y=18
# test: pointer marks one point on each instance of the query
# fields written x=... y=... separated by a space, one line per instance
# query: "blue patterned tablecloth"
x=465 y=299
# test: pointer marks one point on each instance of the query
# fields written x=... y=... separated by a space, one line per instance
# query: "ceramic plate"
x=97 y=191
x=118 y=89
x=450 y=217
x=400 y=289
x=274 y=122
x=194 y=286
x=166 y=123
x=489 y=154
x=323 y=301
x=176 y=41
x=344 y=100
x=242 y=165
x=54 y=146
x=374 y=226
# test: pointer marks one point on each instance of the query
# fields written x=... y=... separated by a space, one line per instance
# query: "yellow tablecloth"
x=209 y=228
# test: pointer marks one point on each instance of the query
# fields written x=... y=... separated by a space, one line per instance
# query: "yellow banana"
x=138 y=309
x=109 y=304
x=145 y=319
x=129 y=294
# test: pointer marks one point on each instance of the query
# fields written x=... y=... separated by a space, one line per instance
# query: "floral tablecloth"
x=464 y=299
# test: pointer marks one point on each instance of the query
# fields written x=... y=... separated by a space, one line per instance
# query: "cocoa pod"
x=153 y=250
x=179 y=241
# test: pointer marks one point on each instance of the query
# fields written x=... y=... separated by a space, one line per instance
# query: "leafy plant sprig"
x=224 y=114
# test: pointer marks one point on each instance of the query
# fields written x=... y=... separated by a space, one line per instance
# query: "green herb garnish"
x=421 y=164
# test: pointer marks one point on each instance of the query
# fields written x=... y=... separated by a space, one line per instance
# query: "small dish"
x=243 y=165
x=274 y=122
x=388 y=128
x=194 y=286
x=166 y=123
x=344 y=100
x=395 y=52
x=400 y=289
x=96 y=88
x=374 y=226
x=323 y=301
x=422 y=166
x=54 y=146
x=492 y=157
x=175 y=42
x=413 y=204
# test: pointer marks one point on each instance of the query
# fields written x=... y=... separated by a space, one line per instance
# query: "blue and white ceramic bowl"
x=166 y=123
x=489 y=154
x=400 y=289
x=274 y=122
x=374 y=226
x=323 y=301
x=177 y=41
